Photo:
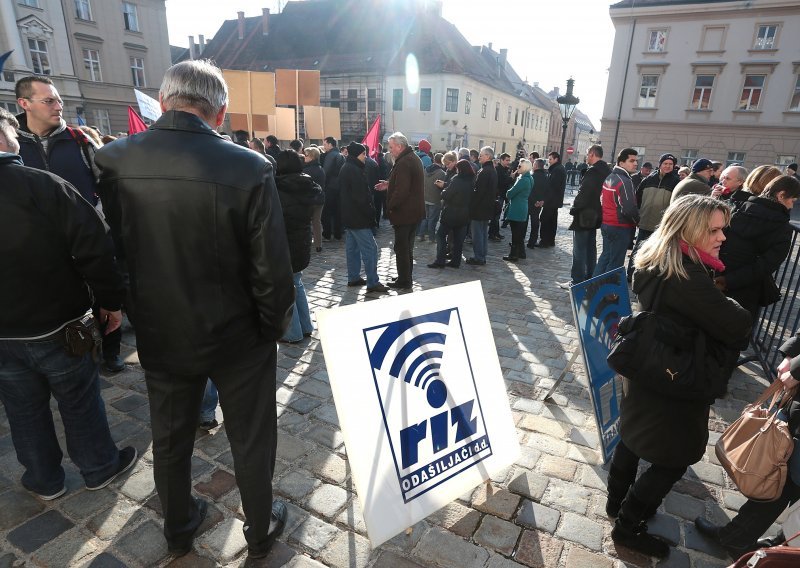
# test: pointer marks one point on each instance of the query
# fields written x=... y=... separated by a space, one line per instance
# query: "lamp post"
x=566 y=104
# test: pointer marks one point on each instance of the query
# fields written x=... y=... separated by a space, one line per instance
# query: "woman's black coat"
x=298 y=194
x=456 y=197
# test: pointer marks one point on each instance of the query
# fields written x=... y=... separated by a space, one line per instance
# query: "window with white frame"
x=497 y=112
x=735 y=159
x=29 y=3
x=484 y=104
x=516 y=117
x=765 y=38
x=101 y=120
x=14 y=109
x=640 y=150
x=751 y=92
x=425 y=96
x=451 y=100
x=91 y=61
x=656 y=40
x=508 y=118
x=83 y=10
x=784 y=160
x=40 y=61
x=794 y=104
x=467 y=102
x=397 y=99
x=137 y=71
x=130 y=16
x=701 y=96
x=647 y=91
x=688 y=156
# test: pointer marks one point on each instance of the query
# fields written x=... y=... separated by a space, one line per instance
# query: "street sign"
x=570 y=150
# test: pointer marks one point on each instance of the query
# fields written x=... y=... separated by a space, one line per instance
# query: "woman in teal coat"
x=517 y=212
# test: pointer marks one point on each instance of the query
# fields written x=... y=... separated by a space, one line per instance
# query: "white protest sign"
x=148 y=106
x=421 y=401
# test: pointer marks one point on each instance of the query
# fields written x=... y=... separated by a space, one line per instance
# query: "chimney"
x=241 y=25
x=201 y=44
x=265 y=21
x=490 y=45
x=503 y=58
x=192 y=52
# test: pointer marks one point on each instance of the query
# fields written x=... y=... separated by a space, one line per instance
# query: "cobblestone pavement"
x=547 y=510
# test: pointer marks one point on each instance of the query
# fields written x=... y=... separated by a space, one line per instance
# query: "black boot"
x=630 y=530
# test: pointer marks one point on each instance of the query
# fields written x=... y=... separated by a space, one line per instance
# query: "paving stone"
x=547 y=444
x=593 y=476
x=325 y=436
x=449 y=551
x=389 y=559
x=129 y=403
x=39 y=530
x=527 y=405
x=529 y=484
x=327 y=413
x=529 y=457
x=709 y=473
x=553 y=428
x=304 y=404
x=218 y=485
x=495 y=501
x=696 y=541
x=226 y=459
x=456 y=518
x=139 y=485
x=300 y=561
x=538 y=550
x=279 y=555
x=407 y=539
x=109 y=523
x=290 y=448
x=684 y=506
x=296 y=484
x=579 y=558
x=314 y=534
x=327 y=500
x=226 y=541
x=676 y=559
x=497 y=534
x=16 y=506
x=665 y=526
x=554 y=466
x=569 y=496
x=538 y=516
x=125 y=429
x=347 y=550
x=146 y=543
x=499 y=561
x=192 y=560
x=315 y=388
x=328 y=466
x=107 y=560
x=214 y=443
x=352 y=517
x=8 y=560
x=585 y=437
x=577 y=528
x=733 y=499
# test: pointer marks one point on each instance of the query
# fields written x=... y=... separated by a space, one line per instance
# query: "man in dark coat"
x=587 y=216
x=332 y=210
x=504 y=183
x=405 y=200
x=482 y=206
x=537 y=198
x=557 y=185
x=208 y=303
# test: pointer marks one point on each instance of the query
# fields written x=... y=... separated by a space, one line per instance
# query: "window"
x=39 y=59
x=735 y=159
x=656 y=41
x=751 y=92
x=137 y=71
x=130 y=16
x=335 y=96
x=647 y=91
x=497 y=112
x=91 y=60
x=372 y=94
x=503 y=149
x=467 y=102
x=688 y=156
x=352 y=100
x=31 y=3
x=508 y=118
x=397 y=99
x=101 y=120
x=83 y=10
x=484 y=104
x=713 y=38
x=451 y=101
x=701 y=97
x=14 y=109
x=425 y=99
x=516 y=117
x=795 y=102
x=784 y=161
x=765 y=39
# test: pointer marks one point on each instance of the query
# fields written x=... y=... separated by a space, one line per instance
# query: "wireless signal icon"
x=416 y=348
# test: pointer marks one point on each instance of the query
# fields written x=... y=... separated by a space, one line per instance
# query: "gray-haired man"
x=212 y=290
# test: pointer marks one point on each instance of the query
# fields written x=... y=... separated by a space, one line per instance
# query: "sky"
x=548 y=41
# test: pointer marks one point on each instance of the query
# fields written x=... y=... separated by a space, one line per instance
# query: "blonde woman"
x=757 y=180
x=682 y=256
x=517 y=211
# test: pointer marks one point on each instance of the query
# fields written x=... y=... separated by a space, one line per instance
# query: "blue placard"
x=597 y=306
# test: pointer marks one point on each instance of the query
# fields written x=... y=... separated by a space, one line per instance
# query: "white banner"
x=148 y=106
x=421 y=401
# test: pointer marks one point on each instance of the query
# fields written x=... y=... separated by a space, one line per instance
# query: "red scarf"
x=705 y=258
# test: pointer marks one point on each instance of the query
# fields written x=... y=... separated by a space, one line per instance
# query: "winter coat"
x=332 y=163
x=405 y=197
x=484 y=195
x=586 y=210
x=557 y=185
x=540 y=187
x=518 y=198
x=791 y=349
x=372 y=171
x=433 y=173
x=456 y=198
x=619 y=200
x=298 y=194
x=692 y=183
x=671 y=432
x=758 y=241
x=654 y=195
x=314 y=169
x=358 y=209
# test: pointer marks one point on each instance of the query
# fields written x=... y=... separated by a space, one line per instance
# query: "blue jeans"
x=361 y=246
x=31 y=371
x=584 y=254
x=428 y=225
x=480 y=239
x=208 y=409
x=301 y=318
x=615 y=245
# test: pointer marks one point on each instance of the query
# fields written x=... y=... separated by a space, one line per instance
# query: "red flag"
x=135 y=122
x=372 y=139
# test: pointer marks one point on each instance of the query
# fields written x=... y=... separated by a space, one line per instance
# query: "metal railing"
x=778 y=322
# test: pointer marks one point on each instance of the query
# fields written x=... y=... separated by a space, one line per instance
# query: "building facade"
x=706 y=78
x=96 y=52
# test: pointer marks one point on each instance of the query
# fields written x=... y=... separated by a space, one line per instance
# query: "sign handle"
x=562 y=375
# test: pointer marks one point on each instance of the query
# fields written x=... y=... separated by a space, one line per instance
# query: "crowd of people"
x=151 y=222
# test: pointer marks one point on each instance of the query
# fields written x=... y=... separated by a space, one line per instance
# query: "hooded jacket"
x=619 y=200
x=298 y=194
x=692 y=183
x=358 y=209
x=586 y=210
x=433 y=173
x=654 y=195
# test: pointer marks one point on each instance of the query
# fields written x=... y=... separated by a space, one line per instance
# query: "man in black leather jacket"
x=211 y=291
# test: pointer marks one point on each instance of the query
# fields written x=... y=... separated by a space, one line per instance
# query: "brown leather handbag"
x=755 y=448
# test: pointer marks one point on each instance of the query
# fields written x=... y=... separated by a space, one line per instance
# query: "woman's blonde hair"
x=524 y=166
x=450 y=157
x=312 y=152
x=687 y=219
x=759 y=178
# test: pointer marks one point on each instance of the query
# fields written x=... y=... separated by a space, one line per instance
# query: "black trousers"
x=549 y=225
x=404 y=252
x=533 y=213
x=518 y=230
x=379 y=201
x=332 y=215
x=650 y=488
x=247 y=397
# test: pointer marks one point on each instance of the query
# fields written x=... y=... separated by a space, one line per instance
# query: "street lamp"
x=566 y=104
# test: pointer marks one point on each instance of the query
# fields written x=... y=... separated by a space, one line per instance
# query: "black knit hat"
x=355 y=149
x=667 y=156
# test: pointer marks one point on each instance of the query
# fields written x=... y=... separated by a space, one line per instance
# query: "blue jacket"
x=518 y=198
